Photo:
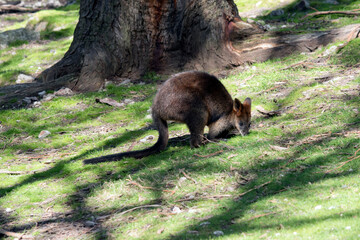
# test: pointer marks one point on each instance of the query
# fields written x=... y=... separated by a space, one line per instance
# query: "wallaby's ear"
x=247 y=104
x=237 y=105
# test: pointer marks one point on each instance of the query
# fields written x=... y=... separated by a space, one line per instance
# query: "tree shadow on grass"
x=231 y=220
x=80 y=212
x=296 y=178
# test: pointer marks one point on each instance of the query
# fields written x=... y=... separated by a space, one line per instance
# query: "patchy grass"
x=284 y=180
x=34 y=57
x=293 y=18
x=295 y=176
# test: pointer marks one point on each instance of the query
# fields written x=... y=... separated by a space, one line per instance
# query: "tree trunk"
x=122 y=38
x=131 y=38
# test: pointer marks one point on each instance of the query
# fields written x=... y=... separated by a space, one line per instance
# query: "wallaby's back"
x=191 y=93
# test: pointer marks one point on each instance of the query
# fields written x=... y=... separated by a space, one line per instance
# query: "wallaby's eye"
x=241 y=124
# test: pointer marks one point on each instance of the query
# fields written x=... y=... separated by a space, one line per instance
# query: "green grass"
x=282 y=181
x=292 y=20
x=32 y=58
x=225 y=193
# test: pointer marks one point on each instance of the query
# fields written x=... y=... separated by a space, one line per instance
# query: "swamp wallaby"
x=197 y=99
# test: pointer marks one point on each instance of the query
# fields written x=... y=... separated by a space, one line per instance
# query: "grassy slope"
x=32 y=58
x=290 y=154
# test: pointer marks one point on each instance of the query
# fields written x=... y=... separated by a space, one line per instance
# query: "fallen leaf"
x=160 y=231
x=110 y=102
x=278 y=148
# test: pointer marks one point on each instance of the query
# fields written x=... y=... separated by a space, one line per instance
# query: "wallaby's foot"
x=196 y=141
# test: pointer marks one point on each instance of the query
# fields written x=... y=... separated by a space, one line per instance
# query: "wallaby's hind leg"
x=196 y=124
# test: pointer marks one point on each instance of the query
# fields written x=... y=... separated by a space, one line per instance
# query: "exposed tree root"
x=355 y=13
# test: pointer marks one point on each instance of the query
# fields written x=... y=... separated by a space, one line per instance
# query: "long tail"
x=160 y=145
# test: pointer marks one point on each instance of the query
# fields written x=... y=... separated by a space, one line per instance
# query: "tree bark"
x=131 y=38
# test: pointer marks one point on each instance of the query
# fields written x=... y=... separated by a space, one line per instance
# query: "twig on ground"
x=140 y=207
x=257 y=187
x=187 y=176
x=23 y=172
x=263 y=215
x=219 y=144
x=314 y=9
x=15 y=235
x=302 y=63
x=12 y=172
x=209 y=155
x=151 y=188
x=17 y=9
x=352 y=158
x=132 y=146
x=204 y=197
x=267 y=90
x=330 y=12
x=268 y=113
x=129 y=210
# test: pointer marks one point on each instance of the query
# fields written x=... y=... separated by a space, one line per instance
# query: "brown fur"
x=198 y=100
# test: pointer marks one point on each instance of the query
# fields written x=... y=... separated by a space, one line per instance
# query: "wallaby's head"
x=242 y=116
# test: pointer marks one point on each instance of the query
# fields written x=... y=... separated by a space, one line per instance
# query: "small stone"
x=330 y=51
x=277 y=12
x=218 y=233
x=22 y=78
x=53 y=51
x=48 y=97
x=36 y=104
x=303 y=5
x=204 y=224
x=64 y=92
x=8 y=210
x=193 y=210
x=89 y=223
x=41 y=27
x=230 y=189
x=41 y=94
x=318 y=207
x=348 y=228
x=175 y=210
x=128 y=101
x=27 y=100
x=147 y=138
x=125 y=82
x=108 y=83
x=44 y=134
x=249 y=20
x=182 y=179
x=258 y=3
